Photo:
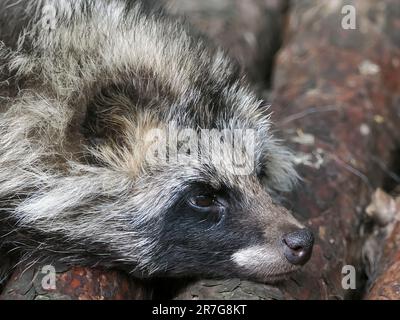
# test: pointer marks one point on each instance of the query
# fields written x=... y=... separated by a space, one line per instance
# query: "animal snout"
x=298 y=246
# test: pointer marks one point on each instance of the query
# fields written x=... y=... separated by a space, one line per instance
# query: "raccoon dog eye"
x=203 y=201
x=206 y=203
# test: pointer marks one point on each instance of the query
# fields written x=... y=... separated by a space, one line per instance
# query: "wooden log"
x=34 y=283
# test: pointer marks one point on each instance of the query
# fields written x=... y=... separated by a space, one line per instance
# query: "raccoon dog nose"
x=298 y=246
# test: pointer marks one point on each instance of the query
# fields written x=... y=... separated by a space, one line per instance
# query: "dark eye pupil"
x=204 y=201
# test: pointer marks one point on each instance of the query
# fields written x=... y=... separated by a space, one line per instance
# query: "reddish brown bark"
x=342 y=87
x=76 y=283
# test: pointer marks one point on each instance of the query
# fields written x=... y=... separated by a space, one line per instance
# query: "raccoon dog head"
x=203 y=175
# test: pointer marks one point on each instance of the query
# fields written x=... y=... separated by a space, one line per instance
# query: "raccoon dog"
x=127 y=142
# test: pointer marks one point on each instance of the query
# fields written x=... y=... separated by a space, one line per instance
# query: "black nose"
x=298 y=246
